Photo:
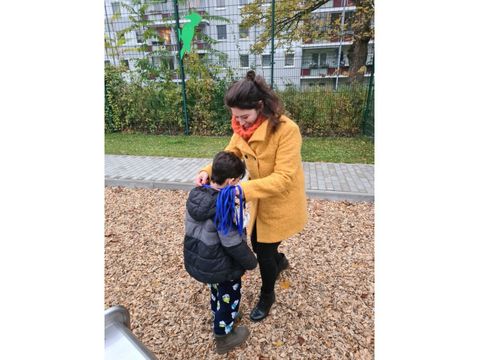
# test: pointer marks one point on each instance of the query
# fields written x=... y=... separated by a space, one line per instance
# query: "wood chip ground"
x=325 y=300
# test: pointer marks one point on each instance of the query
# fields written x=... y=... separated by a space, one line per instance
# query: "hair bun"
x=250 y=75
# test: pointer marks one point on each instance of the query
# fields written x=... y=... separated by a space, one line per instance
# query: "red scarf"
x=246 y=134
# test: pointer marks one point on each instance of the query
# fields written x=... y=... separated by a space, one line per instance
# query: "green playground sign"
x=188 y=31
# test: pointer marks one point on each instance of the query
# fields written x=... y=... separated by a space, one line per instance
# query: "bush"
x=155 y=107
x=114 y=88
x=325 y=112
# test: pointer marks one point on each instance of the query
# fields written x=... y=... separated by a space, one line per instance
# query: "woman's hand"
x=237 y=193
x=201 y=178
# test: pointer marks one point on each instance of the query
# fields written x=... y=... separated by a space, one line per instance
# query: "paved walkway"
x=351 y=182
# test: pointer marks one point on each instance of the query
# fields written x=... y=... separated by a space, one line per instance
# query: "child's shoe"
x=238 y=317
x=236 y=337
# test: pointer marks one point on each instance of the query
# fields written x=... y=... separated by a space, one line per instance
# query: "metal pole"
x=273 y=41
x=344 y=2
x=367 y=107
x=182 y=71
x=109 y=32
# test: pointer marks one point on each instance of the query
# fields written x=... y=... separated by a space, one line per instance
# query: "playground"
x=325 y=300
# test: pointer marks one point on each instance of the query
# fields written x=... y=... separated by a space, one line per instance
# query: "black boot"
x=282 y=263
x=261 y=310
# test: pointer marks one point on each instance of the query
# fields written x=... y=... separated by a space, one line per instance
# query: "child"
x=215 y=247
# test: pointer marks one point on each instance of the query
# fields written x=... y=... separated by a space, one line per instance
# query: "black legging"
x=268 y=257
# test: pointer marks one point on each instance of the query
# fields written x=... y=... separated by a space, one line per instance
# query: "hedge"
x=154 y=107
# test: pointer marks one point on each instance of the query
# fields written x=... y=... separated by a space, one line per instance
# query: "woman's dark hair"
x=227 y=165
x=247 y=94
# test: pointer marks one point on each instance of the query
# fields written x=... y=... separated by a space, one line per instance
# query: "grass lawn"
x=358 y=150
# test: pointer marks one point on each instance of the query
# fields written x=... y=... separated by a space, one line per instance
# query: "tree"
x=141 y=21
x=297 y=21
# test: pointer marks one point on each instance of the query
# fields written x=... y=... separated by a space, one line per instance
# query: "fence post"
x=109 y=32
x=273 y=42
x=369 y=99
x=182 y=71
x=344 y=4
x=108 y=108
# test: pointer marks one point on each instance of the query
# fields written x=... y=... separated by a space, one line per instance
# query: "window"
x=139 y=36
x=116 y=7
x=196 y=3
x=244 y=61
x=349 y=19
x=221 y=32
x=323 y=59
x=243 y=32
x=157 y=5
x=266 y=60
x=156 y=60
x=220 y=3
x=289 y=57
x=163 y=61
x=335 y=19
x=107 y=62
x=124 y=62
x=168 y=62
x=315 y=59
x=165 y=35
x=242 y=2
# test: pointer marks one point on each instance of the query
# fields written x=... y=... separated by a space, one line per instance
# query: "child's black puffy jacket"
x=211 y=256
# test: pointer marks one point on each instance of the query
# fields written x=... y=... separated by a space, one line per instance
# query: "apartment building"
x=323 y=63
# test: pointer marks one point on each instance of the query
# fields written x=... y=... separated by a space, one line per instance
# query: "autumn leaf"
x=301 y=340
x=284 y=284
x=278 y=343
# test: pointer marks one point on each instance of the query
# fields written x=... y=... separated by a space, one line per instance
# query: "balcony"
x=201 y=46
x=156 y=46
x=328 y=72
x=197 y=45
x=338 y=3
x=335 y=6
x=322 y=71
x=334 y=42
x=160 y=18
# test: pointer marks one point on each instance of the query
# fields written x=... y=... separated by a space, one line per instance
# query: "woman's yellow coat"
x=276 y=187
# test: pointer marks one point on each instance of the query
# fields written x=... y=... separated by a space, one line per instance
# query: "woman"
x=270 y=144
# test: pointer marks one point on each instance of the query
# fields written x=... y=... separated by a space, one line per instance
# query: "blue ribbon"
x=225 y=214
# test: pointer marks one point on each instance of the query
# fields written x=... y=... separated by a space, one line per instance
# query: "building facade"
x=322 y=63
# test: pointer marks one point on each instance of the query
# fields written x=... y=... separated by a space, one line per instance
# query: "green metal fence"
x=144 y=38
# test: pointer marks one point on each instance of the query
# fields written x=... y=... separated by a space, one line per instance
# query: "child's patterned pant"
x=225 y=302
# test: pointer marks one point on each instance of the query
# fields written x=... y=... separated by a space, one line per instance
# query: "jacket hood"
x=201 y=203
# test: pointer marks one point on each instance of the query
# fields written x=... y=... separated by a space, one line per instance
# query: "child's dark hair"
x=248 y=92
x=227 y=165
